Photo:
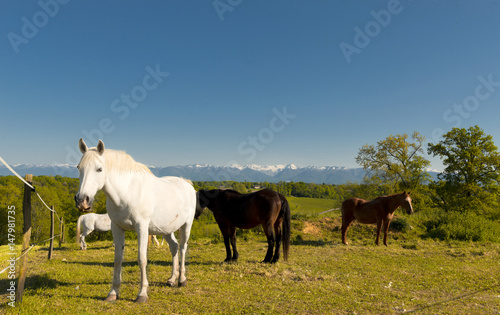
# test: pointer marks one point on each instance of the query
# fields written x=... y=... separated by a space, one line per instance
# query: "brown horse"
x=245 y=211
x=379 y=210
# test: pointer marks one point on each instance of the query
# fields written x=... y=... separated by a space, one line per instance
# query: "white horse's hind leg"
x=185 y=230
x=156 y=241
x=119 y=240
x=142 y=235
x=83 y=245
x=174 y=249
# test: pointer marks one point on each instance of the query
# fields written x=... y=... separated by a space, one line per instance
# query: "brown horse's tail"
x=285 y=229
x=78 y=223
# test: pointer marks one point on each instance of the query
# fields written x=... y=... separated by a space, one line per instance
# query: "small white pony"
x=137 y=200
x=89 y=222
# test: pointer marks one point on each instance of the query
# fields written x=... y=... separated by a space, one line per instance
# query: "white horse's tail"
x=78 y=223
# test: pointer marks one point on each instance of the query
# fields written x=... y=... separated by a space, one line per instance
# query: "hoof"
x=171 y=284
x=141 y=299
x=111 y=298
x=183 y=283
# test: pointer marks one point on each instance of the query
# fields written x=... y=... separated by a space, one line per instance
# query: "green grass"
x=311 y=207
x=322 y=276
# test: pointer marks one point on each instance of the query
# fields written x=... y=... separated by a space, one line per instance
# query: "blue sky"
x=246 y=82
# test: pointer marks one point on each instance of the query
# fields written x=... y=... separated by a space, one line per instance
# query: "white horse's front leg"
x=174 y=249
x=119 y=241
x=184 y=237
x=142 y=236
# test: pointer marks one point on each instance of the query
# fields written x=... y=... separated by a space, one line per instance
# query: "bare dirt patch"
x=311 y=228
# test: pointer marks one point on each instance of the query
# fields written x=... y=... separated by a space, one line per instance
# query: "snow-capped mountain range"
x=207 y=172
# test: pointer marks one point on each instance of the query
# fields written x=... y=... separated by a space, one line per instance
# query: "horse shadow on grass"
x=103 y=264
x=134 y=263
x=56 y=249
x=299 y=241
x=36 y=282
x=99 y=248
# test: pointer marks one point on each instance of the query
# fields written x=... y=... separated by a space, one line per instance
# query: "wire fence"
x=26 y=251
x=43 y=202
x=29 y=185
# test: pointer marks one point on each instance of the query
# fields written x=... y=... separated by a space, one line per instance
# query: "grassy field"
x=322 y=276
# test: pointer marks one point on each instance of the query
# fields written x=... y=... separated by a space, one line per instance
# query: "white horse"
x=137 y=200
x=89 y=222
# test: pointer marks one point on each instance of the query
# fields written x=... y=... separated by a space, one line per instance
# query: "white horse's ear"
x=83 y=146
x=100 y=147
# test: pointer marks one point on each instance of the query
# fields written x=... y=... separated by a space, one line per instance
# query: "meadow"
x=322 y=276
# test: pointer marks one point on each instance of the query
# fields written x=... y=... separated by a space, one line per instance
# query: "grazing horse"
x=137 y=200
x=379 y=210
x=89 y=222
x=98 y=222
x=245 y=211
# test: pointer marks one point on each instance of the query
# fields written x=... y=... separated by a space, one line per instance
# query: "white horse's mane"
x=115 y=160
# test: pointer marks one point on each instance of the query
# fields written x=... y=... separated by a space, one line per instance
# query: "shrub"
x=463 y=227
x=400 y=225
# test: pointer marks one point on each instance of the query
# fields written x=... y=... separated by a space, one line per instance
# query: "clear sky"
x=240 y=81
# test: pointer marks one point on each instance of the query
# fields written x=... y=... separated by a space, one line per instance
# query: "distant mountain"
x=64 y=170
x=207 y=172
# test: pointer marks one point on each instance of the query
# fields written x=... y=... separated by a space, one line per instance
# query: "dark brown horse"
x=245 y=211
x=379 y=210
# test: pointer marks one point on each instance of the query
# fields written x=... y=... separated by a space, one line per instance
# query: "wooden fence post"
x=51 y=248
x=60 y=232
x=23 y=265
x=63 y=231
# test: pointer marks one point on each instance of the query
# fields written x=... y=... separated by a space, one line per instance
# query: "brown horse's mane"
x=232 y=191
x=388 y=196
x=235 y=192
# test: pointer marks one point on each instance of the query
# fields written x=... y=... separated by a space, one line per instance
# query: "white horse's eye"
x=99 y=170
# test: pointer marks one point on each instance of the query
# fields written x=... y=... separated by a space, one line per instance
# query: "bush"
x=400 y=225
x=463 y=227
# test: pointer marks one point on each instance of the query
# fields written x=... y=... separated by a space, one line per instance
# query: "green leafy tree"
x=472 y=170
x=395 y=162
x=240 y=187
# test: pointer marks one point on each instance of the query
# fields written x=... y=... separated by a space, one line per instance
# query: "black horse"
x=245 y=211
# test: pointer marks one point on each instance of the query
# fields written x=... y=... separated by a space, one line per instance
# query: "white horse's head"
x=92 y=169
